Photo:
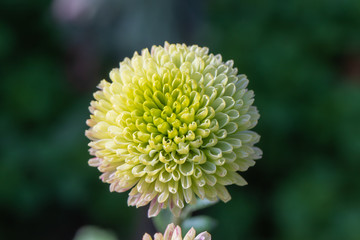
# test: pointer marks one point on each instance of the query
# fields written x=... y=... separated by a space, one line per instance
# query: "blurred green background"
x=303 y=61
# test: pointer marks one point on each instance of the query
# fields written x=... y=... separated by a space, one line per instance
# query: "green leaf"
x=94 y=233
x=200 y=223
x=200 y=204
x=162 y=220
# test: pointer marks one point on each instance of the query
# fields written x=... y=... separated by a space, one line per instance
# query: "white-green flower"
x=174 y=124
x=174 y=233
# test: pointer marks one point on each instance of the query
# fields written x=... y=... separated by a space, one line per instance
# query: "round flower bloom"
x=173 y=125
x=174 y=233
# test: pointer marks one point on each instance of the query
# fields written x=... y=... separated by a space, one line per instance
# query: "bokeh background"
x=303 y=61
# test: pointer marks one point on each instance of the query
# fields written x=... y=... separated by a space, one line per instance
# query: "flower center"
x=172 y=122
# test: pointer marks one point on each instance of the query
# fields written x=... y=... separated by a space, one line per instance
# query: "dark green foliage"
x=303 y=62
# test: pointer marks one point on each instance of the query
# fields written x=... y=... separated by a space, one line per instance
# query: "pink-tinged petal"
x=190 y=234
x=154 y=208
x=142 y=201
x=94 y=162
x=203 y=236
x=146 y=237
x=132 y=200
x=158 y=236
x=120 y=190
x=113 y=186
x=177 y=234
x=169 y=231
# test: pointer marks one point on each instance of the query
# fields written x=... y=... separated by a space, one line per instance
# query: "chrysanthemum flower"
x=173 y=124
x=174 y=233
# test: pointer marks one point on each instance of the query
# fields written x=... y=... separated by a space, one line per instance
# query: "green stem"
x=165 y=216
x=177 y=220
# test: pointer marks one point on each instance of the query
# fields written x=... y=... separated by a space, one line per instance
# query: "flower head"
x=173 y=124
x=174 y=233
